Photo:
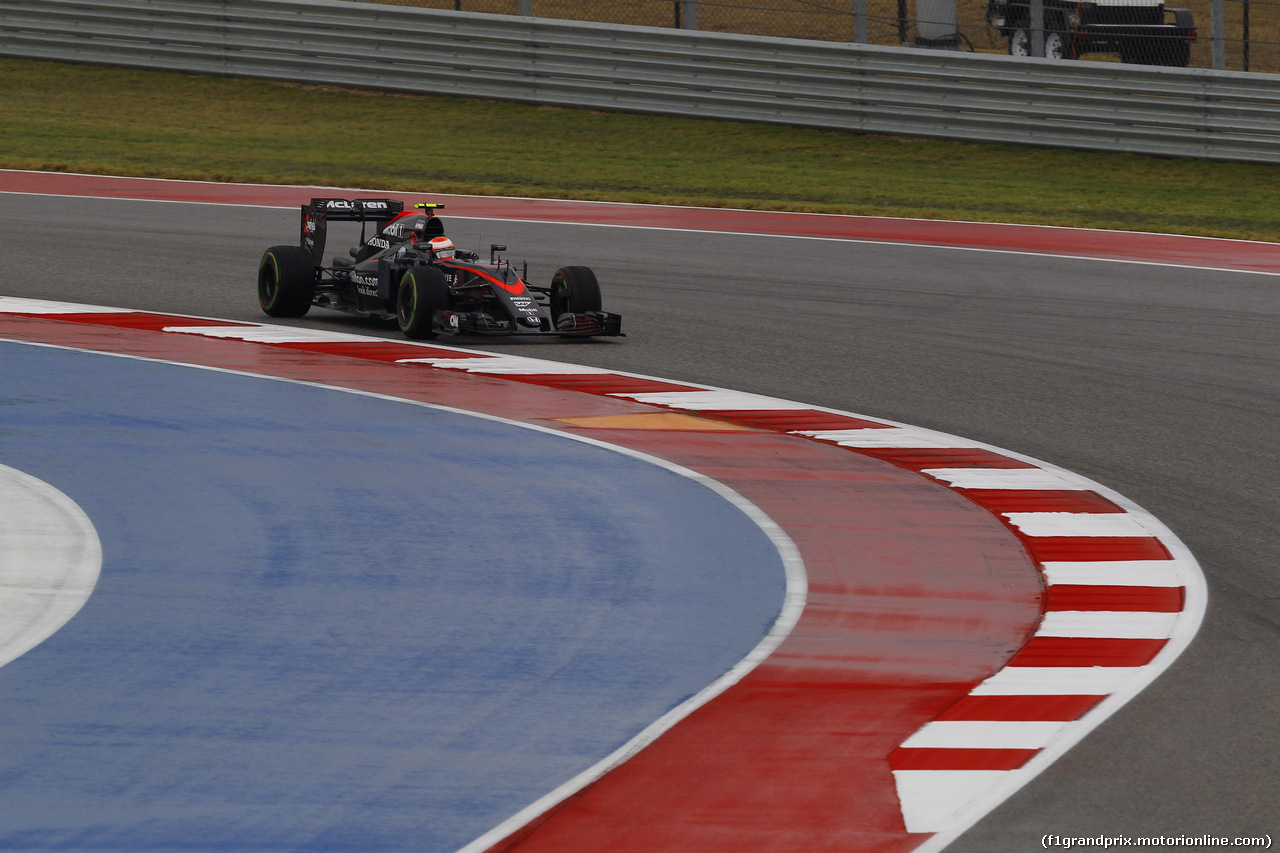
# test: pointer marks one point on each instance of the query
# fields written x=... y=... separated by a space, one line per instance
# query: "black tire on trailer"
x=423 y=291
x=1155 y=51
x=574 y=290
x=1175 y=54
x=286 y=281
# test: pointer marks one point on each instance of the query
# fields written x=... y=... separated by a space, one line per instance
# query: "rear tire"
x=423 y=291
x=286 y=281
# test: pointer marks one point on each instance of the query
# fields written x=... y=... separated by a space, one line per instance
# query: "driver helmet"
x=441 y=248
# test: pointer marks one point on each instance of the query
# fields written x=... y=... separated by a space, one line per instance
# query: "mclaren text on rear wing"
x=356 y=209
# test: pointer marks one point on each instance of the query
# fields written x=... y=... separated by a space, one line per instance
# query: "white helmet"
x=441 y=248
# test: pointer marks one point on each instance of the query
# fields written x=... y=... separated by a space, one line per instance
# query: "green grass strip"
x=82 y=118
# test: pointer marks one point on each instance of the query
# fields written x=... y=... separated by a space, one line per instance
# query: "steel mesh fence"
x=1252 y=27
x=1256 y=25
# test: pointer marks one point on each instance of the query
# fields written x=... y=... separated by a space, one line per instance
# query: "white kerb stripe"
x=1057 y=681
x=1107 y=624
x=506 y=365
x=1027 y=479
x=930 y=797
x=700 y=400
x=983 y=734
x=18 y=305
x=270 y=334
x=1114 y=573
x=1076 y=524
x=889 y=437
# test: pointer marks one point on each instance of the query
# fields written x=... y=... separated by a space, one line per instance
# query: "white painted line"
x=507 y=365
x=702 y=400
x=1114 y=573
x=1026 y=479
x=1107 y=624
x=931 y=798
x=1057 y=681
x=50 y=558
x=1076 y=523
x=984 y=734
x=18 y=305
x=889 y=437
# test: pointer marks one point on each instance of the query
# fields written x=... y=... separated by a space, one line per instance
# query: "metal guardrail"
x=864 y=88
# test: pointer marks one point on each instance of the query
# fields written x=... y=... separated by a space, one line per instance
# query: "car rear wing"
x=317 y=215
x=358 y=209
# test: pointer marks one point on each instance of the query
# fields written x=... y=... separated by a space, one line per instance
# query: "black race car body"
x=409 y=271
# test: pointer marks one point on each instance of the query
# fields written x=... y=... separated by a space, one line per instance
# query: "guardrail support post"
x=1037 y=27
x=1218 y=34
x=690 y=14
x=860 y=21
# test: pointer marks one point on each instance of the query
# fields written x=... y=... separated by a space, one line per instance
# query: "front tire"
x=423 y=291
x=574 y=290
x=286 y=281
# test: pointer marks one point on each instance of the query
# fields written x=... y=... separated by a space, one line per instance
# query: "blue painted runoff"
x=331 y=622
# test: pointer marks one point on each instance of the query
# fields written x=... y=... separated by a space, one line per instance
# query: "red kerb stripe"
x=1070 y=549
x=919 y=458
x=374 y=350
x=1086 y=651
x=1153 y=599
x=1032 y=500
x=785 y=420
x=599 y=383
x=909 y=758
x=1021 y=708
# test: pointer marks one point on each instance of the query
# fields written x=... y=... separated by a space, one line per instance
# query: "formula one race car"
x=411 y=272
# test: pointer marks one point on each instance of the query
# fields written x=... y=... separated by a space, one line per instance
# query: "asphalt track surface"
x=1160 y=382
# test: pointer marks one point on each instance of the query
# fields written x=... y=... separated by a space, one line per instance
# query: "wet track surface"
x=1159 y=382
x=273 y=657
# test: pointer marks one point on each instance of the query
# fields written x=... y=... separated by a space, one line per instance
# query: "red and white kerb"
x=1122 y=595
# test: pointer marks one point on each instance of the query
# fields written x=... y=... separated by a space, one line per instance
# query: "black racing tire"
x=286 y=281
x=574 y=290
x=423 y=291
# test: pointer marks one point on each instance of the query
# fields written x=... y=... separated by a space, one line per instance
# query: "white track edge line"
x=729 y=233
x=643 y=205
